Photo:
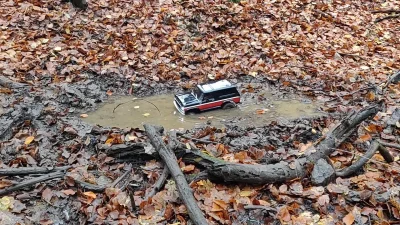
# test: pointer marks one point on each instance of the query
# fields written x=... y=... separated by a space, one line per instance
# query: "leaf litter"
x=326 y=51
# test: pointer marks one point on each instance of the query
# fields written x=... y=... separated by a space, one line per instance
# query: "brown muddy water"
x=133 y=112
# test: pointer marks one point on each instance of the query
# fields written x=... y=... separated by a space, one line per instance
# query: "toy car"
x=219 y=94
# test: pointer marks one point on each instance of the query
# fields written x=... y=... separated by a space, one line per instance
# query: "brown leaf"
x=221 y=203
x=68 y=192
x=5 y=183
x=47 y=194
x=89 y=194
x=169 y=212
x=349 y=219
x=188 y=168
x=46 y=222
x=365 y=137
x=283 y=214
x=241 y=156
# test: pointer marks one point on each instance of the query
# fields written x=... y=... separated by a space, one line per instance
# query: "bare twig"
x=198 y=140
x=159 y=183
x=386 y=11
x=387 y=144
x=89 y=186
x=387 y=17
x=5 y=82
x=267 y=208
x=119 y=179
x=101 y=188
x=30 y=182
x=31 y=170
x=331 y=17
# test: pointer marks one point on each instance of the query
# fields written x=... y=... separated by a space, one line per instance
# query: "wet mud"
x=125 y=112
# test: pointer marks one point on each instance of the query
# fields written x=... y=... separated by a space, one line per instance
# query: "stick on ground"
x=387 y=144
x=31 y=170
x=158 y=184
x=375 y=146
x=169 y=158
x=30 y=182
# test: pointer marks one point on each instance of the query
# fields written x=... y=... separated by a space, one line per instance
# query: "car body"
x=218 y=94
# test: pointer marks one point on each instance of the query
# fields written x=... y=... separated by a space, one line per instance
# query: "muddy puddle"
x=131 y=112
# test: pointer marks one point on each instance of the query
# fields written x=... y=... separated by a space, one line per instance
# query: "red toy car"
x=219 y=94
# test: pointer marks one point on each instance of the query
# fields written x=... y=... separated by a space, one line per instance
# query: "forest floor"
x=59 y=63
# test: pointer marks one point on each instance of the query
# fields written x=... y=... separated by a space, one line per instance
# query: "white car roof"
x=219 y=85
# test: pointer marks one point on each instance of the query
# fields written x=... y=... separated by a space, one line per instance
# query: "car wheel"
x=228 y=105
x=191 y=113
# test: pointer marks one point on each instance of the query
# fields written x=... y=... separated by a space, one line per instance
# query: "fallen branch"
x=267 y=208
x=169 y=158
x=158 y=184
x=390 y=145
x=91 y=187
x=5 y=82
x=31 y=170
x=375 y=146
x=330 y=17
x=281 y=172
x=101 y=188
x=30 y=182
x=197 y=140
x=386 y=11
x=394 y=78
x=387 y=17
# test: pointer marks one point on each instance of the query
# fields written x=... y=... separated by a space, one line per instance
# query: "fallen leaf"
x=109 y=93
x=57 y=49
x=68 y=192
x=283 y=214
x=246 y=193
x=46 y=222
x=89 y=194
x=260 y=111
x=365 y=137
x=5 y=183
x=29 y=139
x=188 y=168
x=84 y=115
x=323 y=200
x=349 y=219
x=47 y=194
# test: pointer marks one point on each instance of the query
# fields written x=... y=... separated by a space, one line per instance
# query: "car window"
x=227 y=93
x=198 y=93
